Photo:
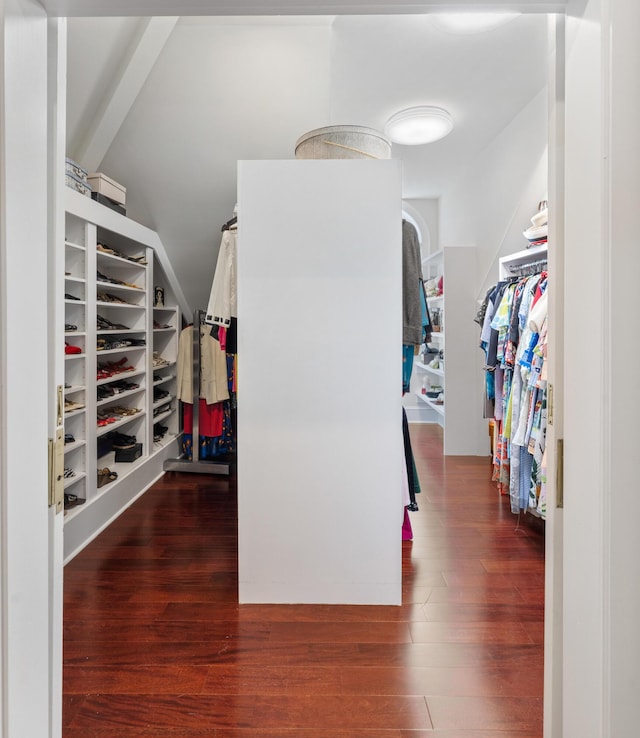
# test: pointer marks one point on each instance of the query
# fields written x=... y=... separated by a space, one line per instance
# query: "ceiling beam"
x=111 y=8
x=150 y=41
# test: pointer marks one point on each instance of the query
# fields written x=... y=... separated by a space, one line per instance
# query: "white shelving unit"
x=123 y=378
x=519 y=259
x=464 y=433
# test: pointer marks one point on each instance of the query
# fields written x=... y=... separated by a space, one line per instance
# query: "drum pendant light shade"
x=419 y=125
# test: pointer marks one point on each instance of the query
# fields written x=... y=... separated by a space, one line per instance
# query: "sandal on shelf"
x=105 y=476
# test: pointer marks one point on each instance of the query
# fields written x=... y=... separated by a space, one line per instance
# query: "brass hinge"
x=560 y=472
x=56 y=460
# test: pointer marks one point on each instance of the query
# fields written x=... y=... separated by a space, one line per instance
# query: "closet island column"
x=320 y=453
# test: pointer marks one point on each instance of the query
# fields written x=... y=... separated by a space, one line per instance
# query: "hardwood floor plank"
x=486 y=713
x=156 y=644
x=253 y=711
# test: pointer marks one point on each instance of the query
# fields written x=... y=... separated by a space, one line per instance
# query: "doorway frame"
x=600 y=530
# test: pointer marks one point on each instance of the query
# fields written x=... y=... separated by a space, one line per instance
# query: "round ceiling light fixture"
x=422 y=124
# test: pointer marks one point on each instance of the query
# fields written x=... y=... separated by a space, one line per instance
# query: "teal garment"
x=407 y=367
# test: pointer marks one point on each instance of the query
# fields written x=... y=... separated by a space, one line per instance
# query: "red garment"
x=210 y=418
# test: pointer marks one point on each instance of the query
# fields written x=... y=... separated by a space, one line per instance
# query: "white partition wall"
x=319 y=382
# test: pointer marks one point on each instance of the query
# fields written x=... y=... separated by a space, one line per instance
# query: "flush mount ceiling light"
x=463 y=22
x=420 y=125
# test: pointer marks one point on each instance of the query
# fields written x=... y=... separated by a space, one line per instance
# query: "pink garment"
x=498 y=389
x=407 y=530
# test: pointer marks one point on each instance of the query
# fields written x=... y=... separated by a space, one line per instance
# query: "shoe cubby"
x=75 y=360
x=120 y=366
x=166 y=418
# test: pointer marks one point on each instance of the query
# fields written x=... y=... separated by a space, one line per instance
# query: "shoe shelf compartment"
x=103 y=429
x=162 y=379
x=119 y=396
x=72 y=481
x=163 y=416
x=75 y=396
x=162 y=402
x=111 y=272
x=120 y=375
x=119 y=351
x=73 y=446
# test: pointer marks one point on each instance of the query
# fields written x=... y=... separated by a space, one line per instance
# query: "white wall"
x=492 y=202
x=320 y=500
x=240 y=92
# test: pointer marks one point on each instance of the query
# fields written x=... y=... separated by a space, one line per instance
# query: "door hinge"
x=550 y=405
x=56 y=461
x=560 y=472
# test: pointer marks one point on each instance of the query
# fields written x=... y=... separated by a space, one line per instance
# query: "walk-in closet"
x=241 y=523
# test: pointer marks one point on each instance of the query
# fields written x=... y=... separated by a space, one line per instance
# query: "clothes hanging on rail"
x=514 y=339
x=223 y=299
x=415 y=327
x=213 y=367
x=216 y=401
x=412 y=286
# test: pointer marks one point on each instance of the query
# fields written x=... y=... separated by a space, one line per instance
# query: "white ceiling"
x=167 y=106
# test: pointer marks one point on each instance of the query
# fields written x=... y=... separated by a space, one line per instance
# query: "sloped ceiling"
x=168 y=106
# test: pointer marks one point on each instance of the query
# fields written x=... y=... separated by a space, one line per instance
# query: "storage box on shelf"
x=110 y=317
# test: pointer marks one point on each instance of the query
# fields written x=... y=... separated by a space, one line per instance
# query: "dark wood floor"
x=156 y=645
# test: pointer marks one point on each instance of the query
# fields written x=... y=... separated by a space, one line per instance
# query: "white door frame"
x=600 y=549
x=25 y=399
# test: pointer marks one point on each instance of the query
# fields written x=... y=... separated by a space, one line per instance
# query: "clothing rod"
x=531 y=267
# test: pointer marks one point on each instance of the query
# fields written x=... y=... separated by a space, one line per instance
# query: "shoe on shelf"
x=70 y=406
x=105 y=476
x=72 y=500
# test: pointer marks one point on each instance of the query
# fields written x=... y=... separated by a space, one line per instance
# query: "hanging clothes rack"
x=196 y=465
x=527 y=270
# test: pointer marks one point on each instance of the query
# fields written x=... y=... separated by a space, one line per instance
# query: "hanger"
x=230 y=223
